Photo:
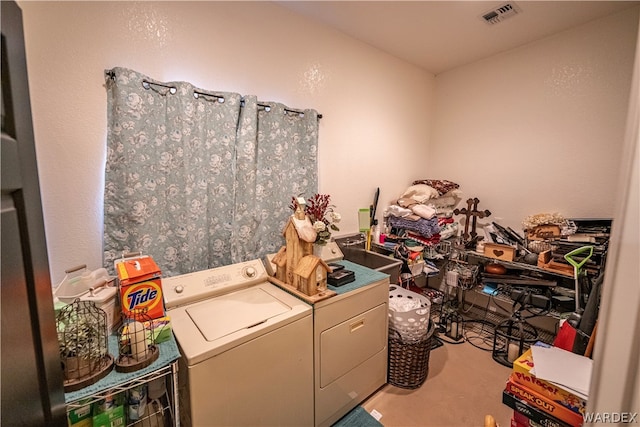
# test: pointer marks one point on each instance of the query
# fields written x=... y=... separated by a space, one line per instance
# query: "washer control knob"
x=250 y=272
x=179 y=289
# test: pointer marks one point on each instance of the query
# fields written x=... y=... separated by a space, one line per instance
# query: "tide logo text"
x=144 y=296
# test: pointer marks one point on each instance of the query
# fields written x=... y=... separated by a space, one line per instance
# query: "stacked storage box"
x=539 y=402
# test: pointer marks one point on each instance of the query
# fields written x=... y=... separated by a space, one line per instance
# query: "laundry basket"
x=408 y=313
x=409 y=359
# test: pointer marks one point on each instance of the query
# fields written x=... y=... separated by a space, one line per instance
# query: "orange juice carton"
x=543 y=403
x=140 y=286
x=522 y=375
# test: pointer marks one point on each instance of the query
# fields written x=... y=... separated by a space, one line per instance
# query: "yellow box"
x=522 y=375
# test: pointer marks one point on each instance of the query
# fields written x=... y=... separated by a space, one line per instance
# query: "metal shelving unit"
x=478 y=312
x=518 y=265
x=166 y=367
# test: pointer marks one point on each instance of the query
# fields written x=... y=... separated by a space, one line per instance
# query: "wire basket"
x=137 y=347
x=409 y=361
x=83 y=344
x=462 y=275
x=411 y=324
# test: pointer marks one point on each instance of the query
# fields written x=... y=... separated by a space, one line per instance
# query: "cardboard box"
x=80 y=417
x=112 y=417
x=522 y=420
x=140 y=287
x=522 y=375
x=529 y=423
x=544 y=404
x=531 y=412
x=497 y=251
x=136 y=270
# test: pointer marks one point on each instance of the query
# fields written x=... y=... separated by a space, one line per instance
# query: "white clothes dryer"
x=246 y=348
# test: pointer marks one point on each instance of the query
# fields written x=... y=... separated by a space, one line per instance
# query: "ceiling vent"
x=500 y=13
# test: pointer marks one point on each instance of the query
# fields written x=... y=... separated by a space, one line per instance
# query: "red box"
x=140 y=287
x=543 y=403
x=522 y=420
x=531 y=411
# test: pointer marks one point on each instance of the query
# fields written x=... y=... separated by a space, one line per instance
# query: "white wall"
x=536 y=129
x=615 y=382
x=376 y=108
x=539 y=128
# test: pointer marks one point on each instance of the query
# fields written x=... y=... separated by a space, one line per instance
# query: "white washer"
x=246 y=346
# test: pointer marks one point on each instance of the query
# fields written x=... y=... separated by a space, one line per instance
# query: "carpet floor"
x=463 y=385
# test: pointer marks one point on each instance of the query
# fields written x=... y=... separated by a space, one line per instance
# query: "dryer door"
x=350 y=343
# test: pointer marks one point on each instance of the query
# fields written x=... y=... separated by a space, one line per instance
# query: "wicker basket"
x=409 y=360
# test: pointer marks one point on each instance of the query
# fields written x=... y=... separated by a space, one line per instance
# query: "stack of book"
x=541 y=402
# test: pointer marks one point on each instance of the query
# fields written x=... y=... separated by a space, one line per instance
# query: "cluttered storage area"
x=281 y=311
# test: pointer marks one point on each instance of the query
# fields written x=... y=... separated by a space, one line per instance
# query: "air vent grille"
x=500 y=13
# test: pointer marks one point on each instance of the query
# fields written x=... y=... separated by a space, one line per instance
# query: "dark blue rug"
x=358 y=417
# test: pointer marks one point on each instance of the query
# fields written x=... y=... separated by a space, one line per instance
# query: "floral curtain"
x=200 y=179
x=275 y=163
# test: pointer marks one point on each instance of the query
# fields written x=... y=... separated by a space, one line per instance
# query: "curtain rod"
x=147 y=85
x=172 y=89
x=287 y=110
x=197 y=93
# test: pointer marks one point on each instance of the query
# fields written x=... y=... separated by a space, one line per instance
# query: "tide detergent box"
x=140 y=287
x=522 y=375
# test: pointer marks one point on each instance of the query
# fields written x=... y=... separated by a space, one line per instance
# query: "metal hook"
x=219 y=98
x=147 y=85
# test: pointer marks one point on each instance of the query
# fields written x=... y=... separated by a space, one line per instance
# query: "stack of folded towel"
x=424 y=212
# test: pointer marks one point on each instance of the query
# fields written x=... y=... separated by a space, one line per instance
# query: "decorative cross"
x=471 y=211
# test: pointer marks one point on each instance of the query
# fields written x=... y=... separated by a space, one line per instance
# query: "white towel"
x=403 y=304
x=424 y=211
x=399 y=212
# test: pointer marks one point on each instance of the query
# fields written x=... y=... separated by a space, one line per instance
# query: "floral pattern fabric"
x=279 y=161
x=442 y=186
x=200 y=181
